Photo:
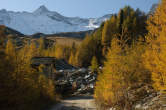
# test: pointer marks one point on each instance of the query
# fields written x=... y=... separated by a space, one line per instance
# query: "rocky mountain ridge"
x=45 y=21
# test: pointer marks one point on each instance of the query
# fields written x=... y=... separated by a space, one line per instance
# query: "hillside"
x=60 y=38
x=10 y=31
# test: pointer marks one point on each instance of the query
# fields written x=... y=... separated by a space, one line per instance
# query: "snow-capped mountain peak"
x=41 y=9
x=48 y=22
x=3 y=11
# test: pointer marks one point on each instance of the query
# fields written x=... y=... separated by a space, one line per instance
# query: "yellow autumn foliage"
x=155 y=56
x=123 y=68
x=22 y=87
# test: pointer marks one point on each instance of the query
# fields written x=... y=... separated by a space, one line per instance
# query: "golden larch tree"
x=155 y=56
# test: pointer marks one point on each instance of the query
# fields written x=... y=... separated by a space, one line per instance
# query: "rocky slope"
x=75 y=82
x=48 y=22
x=68 y=80
x=144 y=97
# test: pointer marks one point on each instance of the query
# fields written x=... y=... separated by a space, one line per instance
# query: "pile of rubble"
x=155 y=101
x=144 y=97
x=67 y=78
x=76 y=81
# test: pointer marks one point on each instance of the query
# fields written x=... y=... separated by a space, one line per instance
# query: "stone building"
x=49 y=65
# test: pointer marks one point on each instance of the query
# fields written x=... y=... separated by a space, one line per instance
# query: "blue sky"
x=81 y=8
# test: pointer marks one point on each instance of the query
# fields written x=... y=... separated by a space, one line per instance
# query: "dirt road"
x=76 y=103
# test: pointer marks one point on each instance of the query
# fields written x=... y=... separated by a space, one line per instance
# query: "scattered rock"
x=146 y=98
x=81 y=81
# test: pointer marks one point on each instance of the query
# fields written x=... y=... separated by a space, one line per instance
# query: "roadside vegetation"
x=133 y=57
x=22 y=87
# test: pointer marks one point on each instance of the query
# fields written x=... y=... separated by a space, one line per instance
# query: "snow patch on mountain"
x=45 y=21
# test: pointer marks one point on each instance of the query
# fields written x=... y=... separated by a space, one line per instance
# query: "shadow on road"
x=81 y=98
